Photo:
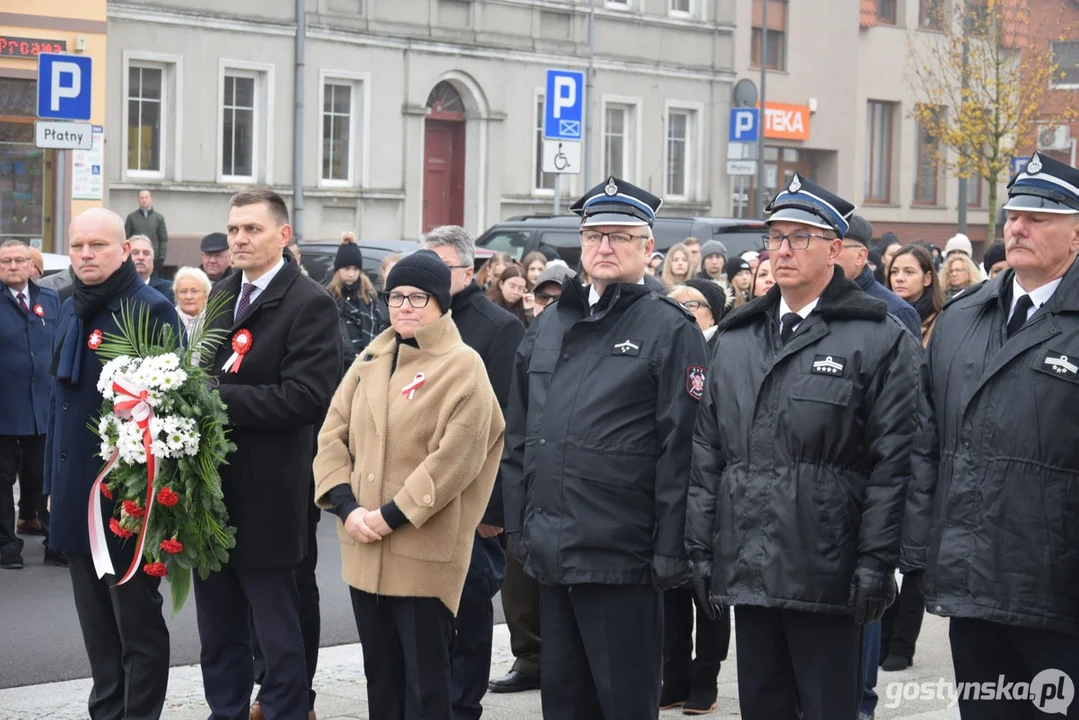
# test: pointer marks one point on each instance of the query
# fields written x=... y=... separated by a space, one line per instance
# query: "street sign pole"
x=558 y=194
x=760 y=194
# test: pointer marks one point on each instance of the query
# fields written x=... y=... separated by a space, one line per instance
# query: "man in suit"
x=142 y=254
x=27 y=329
x=277 y=370
x=125 y=634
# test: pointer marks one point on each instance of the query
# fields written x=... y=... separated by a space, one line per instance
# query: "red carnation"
x=167 y=497
x=118 y=530
x=172 y=546
x=105 y=491
x=132 y=509
x=156 y=569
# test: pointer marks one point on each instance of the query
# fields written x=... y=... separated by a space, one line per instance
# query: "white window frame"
x=538 y=96
x=172 y=113
x=263 y=132
x=694 y=149
x=632 y=146
x=618 y=4
x=1062 y=85
x=360 y=82
x=691 y=14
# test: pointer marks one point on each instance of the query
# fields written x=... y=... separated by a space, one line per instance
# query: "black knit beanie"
x=348 y=255
x=424 y=270
x=713 y=295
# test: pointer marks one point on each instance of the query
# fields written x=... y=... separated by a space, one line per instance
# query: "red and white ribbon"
x=241 y=344
x=131 y=403
x=409 y=391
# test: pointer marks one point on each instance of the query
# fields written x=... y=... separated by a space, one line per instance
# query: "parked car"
x=317 y=256
x=522 y=234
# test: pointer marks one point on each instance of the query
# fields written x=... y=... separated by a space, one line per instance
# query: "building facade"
x=41 y=190
x=415 y=112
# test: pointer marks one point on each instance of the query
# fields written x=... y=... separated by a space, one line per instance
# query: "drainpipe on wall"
x=297 y=131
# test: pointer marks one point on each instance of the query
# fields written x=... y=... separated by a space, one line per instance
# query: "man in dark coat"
x=854 y=260
x=801 y=457
x=28 y=317
x=993 y=514
x=494 y=334
x=216 y=262
x=142 y=254
x=277 y=370
x=595 y=471
x=149 y=222
x=126 y=638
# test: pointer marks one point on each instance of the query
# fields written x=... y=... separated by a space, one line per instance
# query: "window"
x=541 y=181
x=886 y=11
x=343 y=129
x=620 y=141
x=974 y=192
x=618 y=4
x=931 y=14
x=681 y=7
x=145 y=113
x=926 y=168
x=878 y=151
x=681 y=161
x=776 y=34
x=238 y=131
x=1066 y=62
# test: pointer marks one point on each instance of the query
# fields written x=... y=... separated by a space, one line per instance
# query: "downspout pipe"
x=297 y=131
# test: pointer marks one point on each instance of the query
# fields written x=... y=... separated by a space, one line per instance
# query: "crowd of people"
x=629 y=450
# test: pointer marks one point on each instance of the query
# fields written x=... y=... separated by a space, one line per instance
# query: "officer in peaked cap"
x=595 y=472
x=998 y=538
x=801 y=458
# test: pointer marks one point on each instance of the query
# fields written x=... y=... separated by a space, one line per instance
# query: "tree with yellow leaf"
x=980 y=84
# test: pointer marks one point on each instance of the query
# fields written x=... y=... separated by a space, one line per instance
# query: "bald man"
x=125 y=635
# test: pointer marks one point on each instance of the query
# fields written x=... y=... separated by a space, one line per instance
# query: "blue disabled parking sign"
x=563 y=111
x=63 y=86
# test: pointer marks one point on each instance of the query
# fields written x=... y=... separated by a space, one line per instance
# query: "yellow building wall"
x=38 y=20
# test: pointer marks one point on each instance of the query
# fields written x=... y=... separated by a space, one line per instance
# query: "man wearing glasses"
x=800 y=468
x=595 y=470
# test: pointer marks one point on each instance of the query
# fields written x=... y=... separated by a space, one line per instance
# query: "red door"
x=443 y=174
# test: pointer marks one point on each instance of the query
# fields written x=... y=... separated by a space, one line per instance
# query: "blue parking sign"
x=745 y=125
x=563 y=108
x=63 y=86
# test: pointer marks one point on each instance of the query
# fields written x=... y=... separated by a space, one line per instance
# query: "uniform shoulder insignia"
x=675 y=303
x=695 y=376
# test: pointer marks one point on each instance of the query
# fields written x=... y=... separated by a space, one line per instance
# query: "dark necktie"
x=22 y=303
x=1019 y=315
x=245 y=301
x=789 y=320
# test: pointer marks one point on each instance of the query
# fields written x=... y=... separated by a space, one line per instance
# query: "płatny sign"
x=59 y=135
x=29 y=47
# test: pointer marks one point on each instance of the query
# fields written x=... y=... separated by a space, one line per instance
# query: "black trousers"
x=227 y=602
x=520 y=603
x=680 y=668
x=983 y=651
x=126 y=640
x=791 y=661
x=310 y=615
x=21 y=457
x=406 y=655
x=602 y=651
x=902 y=622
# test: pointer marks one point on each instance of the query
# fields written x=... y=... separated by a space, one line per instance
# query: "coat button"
x=370 y=477
x=543 y=442
x=66 y=406
x=63 y=457
x=565 y=356
x=427 y=499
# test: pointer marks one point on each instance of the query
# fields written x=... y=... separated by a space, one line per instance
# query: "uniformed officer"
x=994 y=512
x=801 y=458
x=596 y=467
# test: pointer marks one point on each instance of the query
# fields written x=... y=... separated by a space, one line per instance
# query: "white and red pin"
x=409 y=391
x=39 y=311
x=95 y=340
x=241 y=345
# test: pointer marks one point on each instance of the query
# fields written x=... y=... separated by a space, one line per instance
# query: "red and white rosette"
x=94 y=340
x=39 y=311
x=130 y=403
x=409 y=391
x=241 y=345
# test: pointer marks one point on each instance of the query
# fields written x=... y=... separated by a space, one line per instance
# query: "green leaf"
x=180 y=584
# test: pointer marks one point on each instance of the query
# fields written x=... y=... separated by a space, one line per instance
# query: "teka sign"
x=786 y=122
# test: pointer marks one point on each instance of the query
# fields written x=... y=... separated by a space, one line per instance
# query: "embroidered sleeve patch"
x=695 y=375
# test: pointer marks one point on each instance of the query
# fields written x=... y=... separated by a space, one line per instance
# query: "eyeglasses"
x=593 y=239
x=14 y=261
x=692 y=305
x=797 y=240
x=544 y=299
x=396 y=300
x=458 y=267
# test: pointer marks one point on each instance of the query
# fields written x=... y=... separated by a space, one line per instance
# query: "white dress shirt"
x=593 y=296
x=784 y=308
x=25 y=292
x=261 y=284
x=1039 y=297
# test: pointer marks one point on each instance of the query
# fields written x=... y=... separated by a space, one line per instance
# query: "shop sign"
x=29 y=47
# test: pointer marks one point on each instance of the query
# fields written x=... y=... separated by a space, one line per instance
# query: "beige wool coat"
x=435 y=455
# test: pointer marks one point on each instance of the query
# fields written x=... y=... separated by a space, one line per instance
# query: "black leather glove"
x=668 y=572
x=872 y=590
x=702 y=585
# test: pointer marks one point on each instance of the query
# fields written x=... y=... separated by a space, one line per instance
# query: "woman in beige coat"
x=407 y=459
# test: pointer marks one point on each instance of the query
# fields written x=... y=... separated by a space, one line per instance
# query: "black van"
x=520 y=235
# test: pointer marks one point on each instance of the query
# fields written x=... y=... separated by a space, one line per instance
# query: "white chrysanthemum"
x=111 y=369
x=130 y=444
x=169 y=361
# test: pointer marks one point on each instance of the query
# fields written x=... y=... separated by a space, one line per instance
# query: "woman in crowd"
x=913 y=277
x=407 y=460
x=37 y=264
x=691 y=682
x=740 y=280
x=677 y=267
x=508 y=291
x=655 y=264
x=763 y=279
x=384 y=268
x=357 y=300
x=959 y=273
x=191 y=288
x=493 y=269
x=533 y=265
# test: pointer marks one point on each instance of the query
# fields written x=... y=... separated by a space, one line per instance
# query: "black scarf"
x=924 y=306
x=90 y=299
x=350 y=291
